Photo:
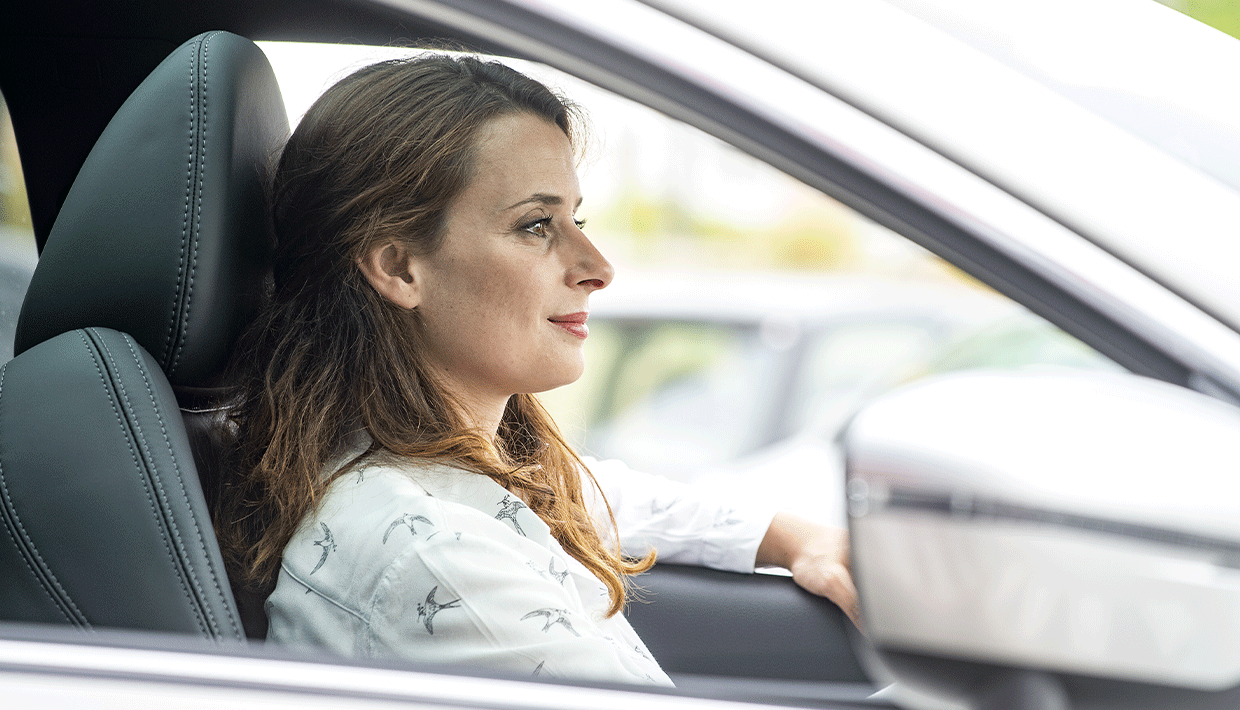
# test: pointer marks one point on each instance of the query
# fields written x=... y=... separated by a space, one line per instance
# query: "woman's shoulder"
x=385 y=482
x=383 y=494
x=356 y=521
x=373 y=513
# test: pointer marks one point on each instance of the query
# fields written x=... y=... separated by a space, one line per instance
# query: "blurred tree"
x=14 y=209
x=817 y=234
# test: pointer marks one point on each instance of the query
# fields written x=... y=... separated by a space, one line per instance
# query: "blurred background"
x=750 y=314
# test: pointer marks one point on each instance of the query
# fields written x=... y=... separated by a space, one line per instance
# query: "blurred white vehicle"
x=741 y=381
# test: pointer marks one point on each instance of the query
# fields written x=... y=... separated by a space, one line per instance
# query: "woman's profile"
x=398 y=487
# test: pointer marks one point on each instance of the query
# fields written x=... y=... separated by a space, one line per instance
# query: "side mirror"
x=1049 y=540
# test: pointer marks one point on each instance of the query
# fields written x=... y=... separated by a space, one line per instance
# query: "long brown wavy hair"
x=381 y=157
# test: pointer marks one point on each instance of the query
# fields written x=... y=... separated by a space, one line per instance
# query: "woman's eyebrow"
x=541 y=198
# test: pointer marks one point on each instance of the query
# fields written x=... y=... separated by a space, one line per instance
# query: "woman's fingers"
x=818 y=557
x=828 y=576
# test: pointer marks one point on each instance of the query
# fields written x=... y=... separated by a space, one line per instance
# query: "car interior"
x=144 y=163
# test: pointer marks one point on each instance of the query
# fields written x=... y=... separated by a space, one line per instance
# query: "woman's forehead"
x=521 y=160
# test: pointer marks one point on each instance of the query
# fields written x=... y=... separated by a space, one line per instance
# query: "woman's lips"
x=574 y=323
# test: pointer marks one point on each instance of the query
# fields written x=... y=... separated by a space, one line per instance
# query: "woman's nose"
x=591 y=269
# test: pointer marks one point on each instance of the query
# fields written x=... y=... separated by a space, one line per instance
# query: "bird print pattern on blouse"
x=509 y=507
x=408 y=520
x=553 y=617
x=550 y=572
x=557 y=576
x=728 y=519
x=432 y=535
x=428 y=609
x=328 y=543
x=656 y=509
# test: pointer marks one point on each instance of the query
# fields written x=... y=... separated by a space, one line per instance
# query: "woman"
x=398 y=481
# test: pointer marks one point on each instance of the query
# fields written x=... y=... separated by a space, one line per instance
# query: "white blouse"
x=430 y=563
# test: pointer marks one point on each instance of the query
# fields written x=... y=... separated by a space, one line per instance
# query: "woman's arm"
x=817 y=555
x=688 y=527
x=684 y=523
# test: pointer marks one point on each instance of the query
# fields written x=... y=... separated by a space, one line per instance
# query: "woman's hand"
x=817 y=556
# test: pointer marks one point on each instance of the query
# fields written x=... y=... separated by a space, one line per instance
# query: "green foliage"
x=1222 y=15
x=14 y=208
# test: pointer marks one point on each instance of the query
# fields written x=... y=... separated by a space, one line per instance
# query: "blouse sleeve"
x=684 y=523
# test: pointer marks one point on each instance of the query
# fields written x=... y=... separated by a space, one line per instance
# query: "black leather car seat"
x=148 y=275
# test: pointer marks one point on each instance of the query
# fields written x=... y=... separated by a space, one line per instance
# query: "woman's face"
x=503 y=301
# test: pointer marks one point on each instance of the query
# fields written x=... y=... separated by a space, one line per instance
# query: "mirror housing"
x=1049 y=534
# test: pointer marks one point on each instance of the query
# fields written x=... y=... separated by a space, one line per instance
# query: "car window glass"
x=17 y=246
x=750 y=313
x=1018 y=340
x=844 y=363
x=681 y=395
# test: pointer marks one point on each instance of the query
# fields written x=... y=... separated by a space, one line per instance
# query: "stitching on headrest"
x=191 y=153
x=187 y=268
x=187 y=288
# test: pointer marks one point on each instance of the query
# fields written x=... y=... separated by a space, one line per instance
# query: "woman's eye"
x=538 y=227
x=581 y=223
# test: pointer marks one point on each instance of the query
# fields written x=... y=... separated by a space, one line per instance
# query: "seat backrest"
x=149 y=274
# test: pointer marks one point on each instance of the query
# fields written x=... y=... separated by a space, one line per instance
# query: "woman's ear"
x=389 y=268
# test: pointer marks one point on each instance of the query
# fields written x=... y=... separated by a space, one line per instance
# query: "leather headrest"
x=163 y=234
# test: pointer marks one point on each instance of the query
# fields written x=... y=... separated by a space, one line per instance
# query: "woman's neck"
x=479 y=411
x=484 y=418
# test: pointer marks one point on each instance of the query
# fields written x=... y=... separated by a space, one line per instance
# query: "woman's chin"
x=554 y=380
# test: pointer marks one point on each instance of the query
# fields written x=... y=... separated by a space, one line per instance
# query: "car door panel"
x=702 y=621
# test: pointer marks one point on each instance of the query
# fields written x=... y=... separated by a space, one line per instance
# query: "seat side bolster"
x=119 y=520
